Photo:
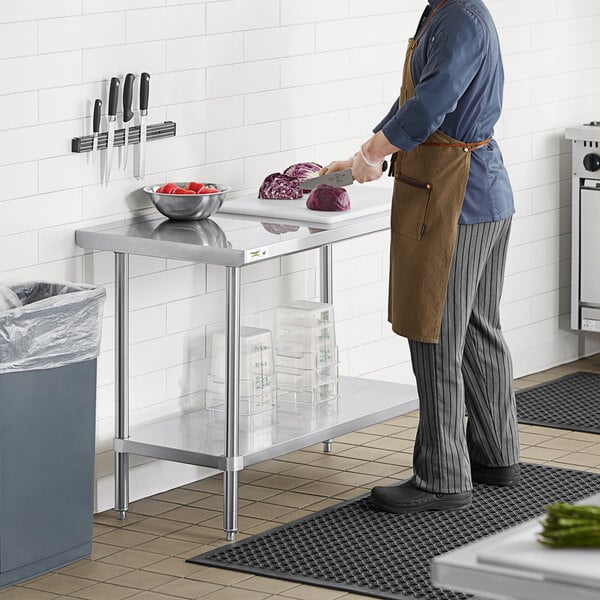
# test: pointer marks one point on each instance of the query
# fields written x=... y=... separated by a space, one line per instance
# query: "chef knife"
x=337 y=179
x=113 y=98
x=96 y=127
x=144 y=92
x=127 y=112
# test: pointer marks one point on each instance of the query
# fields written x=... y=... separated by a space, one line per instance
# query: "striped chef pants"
x=470 y=367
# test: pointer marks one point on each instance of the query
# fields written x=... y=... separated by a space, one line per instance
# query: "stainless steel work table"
x=232 y=242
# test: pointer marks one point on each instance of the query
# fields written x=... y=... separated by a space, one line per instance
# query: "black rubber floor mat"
x=356 y=548
x=571 y=402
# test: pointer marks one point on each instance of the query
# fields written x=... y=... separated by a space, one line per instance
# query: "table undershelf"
x=194 y=438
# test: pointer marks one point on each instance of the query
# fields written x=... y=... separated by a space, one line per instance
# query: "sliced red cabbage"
x=328 y=197
x=277 y=186
x=302 y=170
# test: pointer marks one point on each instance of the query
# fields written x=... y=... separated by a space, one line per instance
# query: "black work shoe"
x=502 y=476
x=407 y=497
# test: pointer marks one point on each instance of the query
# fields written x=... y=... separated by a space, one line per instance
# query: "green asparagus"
x=571 y=526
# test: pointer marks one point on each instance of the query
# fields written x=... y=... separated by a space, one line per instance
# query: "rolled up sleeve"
x=454 y=56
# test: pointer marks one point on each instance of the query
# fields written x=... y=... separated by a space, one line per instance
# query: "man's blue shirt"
x=458 y=76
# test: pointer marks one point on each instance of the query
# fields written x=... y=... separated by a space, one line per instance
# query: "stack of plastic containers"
x=306 y=363
x=256 y=395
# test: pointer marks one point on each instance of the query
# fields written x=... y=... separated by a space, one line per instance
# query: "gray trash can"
x=49 y=342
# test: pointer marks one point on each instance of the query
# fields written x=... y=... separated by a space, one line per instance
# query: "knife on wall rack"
x=127 y=112
x=144 y=93
x=113 y=99
x=96 y=127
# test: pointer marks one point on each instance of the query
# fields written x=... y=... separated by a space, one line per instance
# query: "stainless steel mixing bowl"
x=188 y=207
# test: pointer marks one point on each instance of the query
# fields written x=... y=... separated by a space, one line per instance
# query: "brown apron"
x=429 y=190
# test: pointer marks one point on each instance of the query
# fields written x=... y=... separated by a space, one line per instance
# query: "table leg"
x=232 y=386
x=121 y=381
x=326 y=268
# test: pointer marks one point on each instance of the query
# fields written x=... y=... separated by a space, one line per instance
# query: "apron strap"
x=466 y=145
x=431 y=15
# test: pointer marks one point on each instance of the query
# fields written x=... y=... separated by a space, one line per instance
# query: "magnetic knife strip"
x=153 y=132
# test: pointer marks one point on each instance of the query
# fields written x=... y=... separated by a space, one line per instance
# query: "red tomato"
x=208 y=190
x=194 y=186
x=181 y=190
x=168 y=188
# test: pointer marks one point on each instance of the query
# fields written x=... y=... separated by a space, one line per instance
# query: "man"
x=450 y=223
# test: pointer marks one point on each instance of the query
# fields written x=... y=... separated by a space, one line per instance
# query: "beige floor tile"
x=265 y=584
x=352 y=478
x=554 y=373
x=100 y=550
x=288 y=518
x=548 y=431
x=563 y=443
x=149 y=595
x=542 y=453
x=358 y=438
x=310 y=592
x=593 y=438
x=57 y=583
x=175 y=567
x=383 y=429
x=181 y=496
x=97 y=571
x=108 y=518
x=249 y=476
x=403 y=459
x=105 y=591
x=593 y=449
x=157 y=526
x=266 y=526
x=322 y=488
x=150 y=507
x=125 y=538
x=393 y=444
x=301 y=457
x=264 y=510
x=282 y=482
x=21 y=593
x=271 y=466
x=233 y=594
x=215 y=502
x=210 y=485
x=167 y=546
x=142 y=580
x=533 y=439
x=310 y=472
x=198 y=534
x=377 y=469
x=365 y=453
x=406 y=434
x=294 y=499
x=255 y=493
x=406 y=421
x=99 y=529
x=221 y=576
x=340 y=463
x=187 y=588
x=243 y=522
x=133 y=558
x=579 y=459
x=188 y=514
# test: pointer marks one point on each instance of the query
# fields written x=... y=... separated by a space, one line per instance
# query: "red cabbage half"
x=328 y=197
x=303 y=171
x=277 y=186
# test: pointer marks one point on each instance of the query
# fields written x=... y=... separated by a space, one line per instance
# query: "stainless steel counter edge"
x=111 y=237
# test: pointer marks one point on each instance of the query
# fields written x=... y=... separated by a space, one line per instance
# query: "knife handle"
x=384 y=166
x=113 y=96
x=96 y=118
x=128 y=97
x=144 y=91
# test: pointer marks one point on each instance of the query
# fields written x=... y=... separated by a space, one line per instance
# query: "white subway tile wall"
x=255 y=85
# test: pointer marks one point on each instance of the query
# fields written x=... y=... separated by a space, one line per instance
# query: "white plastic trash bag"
x=56 y=324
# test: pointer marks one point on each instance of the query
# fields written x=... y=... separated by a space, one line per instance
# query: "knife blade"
x=336 y=179
x=96 y=127
x=127 y=112
x=113 y=98
x=144 y=93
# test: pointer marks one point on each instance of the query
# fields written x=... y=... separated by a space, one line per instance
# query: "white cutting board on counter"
x=520 y=551
x=365 y=199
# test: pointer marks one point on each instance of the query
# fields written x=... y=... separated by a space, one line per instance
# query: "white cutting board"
x=521 y=551
x=365 y=200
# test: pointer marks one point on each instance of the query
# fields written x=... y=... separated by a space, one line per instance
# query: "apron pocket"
x=409 y=206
